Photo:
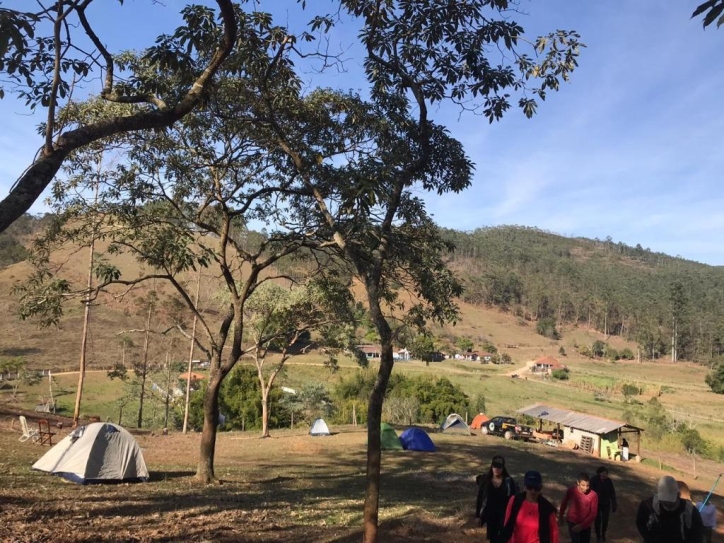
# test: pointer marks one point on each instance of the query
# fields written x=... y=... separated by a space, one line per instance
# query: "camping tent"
x=454 y=424
x=319 y=428
x=478 y=421
x=99 y=452
x=390 y=441
x=416 y=439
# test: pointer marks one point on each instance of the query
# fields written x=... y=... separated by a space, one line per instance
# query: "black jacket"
x=605 y=490
x=482 y=499
x=657 y=525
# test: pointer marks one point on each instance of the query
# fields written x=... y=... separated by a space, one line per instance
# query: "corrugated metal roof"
x=579 y=421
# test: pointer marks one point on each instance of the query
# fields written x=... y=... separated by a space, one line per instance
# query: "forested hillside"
x=647 y=297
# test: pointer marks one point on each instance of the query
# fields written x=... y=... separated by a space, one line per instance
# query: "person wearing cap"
x=666 y=518
x=529 y=517
x=582 y=505
x=602 y=485
x=494 y=490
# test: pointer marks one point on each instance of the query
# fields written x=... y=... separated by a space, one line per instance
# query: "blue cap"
x=533 y=478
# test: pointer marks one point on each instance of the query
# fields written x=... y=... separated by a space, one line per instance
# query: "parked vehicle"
x=507 y=427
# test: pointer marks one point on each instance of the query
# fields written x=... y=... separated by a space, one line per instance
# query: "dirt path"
x=520 y=371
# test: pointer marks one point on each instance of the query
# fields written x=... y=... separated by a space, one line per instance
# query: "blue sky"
x=631 y=148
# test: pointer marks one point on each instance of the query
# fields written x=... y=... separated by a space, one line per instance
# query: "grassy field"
x=289 y=488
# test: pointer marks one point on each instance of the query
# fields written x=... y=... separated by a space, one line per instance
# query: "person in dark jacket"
x=602 y=485
x=494 y=490
x=666 y=518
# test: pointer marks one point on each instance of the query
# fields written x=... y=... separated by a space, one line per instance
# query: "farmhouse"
x=546 y=364
x=370 y=351
x=402 y=355
x=603 y=438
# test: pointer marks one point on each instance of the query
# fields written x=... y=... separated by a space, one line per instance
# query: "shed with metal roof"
x=605 y=438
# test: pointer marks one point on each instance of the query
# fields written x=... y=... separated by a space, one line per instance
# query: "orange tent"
x=194 y=376
x=478 y=421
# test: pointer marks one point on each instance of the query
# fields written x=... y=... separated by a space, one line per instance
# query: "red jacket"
x=582 y=508
x=526 y=525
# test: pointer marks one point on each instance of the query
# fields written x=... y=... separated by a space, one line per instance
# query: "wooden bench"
x=44 y=433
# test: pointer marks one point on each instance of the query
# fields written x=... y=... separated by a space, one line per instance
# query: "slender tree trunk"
x=168 y=391
x=144 y=364
x=205 y=469
x=84 y=338
x=191 y=355
x=265 y=410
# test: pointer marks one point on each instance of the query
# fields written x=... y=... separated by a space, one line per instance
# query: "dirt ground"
x=291 y=488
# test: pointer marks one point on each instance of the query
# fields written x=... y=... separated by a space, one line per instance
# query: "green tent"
x=390 y=441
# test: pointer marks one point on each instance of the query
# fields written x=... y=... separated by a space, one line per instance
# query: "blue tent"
x=416 y=439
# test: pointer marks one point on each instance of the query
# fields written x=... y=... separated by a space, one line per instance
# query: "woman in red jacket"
x=530 y=518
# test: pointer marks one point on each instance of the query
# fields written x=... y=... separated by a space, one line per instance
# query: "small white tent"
x=99 y=452
x=454 y=423
x=319 y=428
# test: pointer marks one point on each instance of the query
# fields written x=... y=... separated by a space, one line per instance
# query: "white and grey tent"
x=100 y=452
x=454 y=424
x=319 y=428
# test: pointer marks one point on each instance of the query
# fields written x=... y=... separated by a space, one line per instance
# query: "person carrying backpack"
x=666 y=518
x=494 y=490
x=529 y=517
x=602 y=485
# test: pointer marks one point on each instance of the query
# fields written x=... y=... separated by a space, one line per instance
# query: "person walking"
x=581 y=504
x=529 y=517
x=495 y=488
x=666 y=518
x=708 y=519
x=602 y=485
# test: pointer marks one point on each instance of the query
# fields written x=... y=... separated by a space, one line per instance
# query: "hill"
x=618 y=290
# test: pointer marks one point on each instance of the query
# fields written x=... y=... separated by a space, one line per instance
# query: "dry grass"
x=290 y=488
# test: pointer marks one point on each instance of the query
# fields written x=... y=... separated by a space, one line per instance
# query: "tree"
x=715 y=379
x=44 y=69
x=417 y=53
x=276 y=318
x=464 y=344
x=423 y=348
x=598 y=349
x=546 y=327
x=679 y=313
x=711 y=10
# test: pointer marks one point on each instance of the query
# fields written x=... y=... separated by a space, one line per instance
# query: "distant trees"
x=647 y=297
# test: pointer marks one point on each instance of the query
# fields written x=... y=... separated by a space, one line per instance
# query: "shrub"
x=546 y=327
x=629 y=390
x=598 y=349
x=505 y=359
x=612 y=354
x=627 y=354
x=561 y=374
x=562 y=351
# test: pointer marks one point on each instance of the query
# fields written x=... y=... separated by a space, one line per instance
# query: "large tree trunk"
x=205 y=469
x=374 y=419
